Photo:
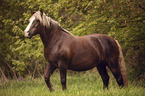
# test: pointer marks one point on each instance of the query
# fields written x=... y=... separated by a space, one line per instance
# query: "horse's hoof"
x=52 y=89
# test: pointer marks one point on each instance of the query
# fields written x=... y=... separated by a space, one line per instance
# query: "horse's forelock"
x=38 y=15
x=43 y=19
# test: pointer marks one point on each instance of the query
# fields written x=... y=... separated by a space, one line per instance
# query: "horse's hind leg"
x=103 y=72
x=49 y=71
x=114 y=68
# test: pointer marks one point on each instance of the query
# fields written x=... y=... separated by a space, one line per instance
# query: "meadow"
x=78 y=84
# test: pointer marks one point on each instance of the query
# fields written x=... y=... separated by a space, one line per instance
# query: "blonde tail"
x=122 y=66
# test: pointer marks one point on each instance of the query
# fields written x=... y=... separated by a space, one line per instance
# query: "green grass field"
x=78 y=84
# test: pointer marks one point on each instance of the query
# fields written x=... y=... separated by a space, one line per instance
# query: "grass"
x=78 y=84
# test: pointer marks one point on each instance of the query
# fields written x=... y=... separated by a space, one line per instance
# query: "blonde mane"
x=49 y=22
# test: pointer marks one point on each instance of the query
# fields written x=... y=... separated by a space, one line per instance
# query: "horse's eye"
x=37 y=20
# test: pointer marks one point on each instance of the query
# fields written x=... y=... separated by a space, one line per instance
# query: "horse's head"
x=34 y=26
x=40 y=23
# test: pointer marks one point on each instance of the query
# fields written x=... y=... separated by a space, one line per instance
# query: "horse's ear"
x=41 y=11
x=32 y=12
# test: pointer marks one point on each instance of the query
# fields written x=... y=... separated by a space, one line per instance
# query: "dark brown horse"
x=65 y=51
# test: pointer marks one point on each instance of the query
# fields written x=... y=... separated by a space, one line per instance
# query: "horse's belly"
x=84 y=56
x=83 y=64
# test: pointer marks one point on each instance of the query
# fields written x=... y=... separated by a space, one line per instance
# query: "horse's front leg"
x=63 y=72
x=49 y=72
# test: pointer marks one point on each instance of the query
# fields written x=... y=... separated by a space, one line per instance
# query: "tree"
x=122 y=19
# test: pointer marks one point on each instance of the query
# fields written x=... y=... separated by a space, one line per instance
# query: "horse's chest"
x=49 y=55
x=56 y=55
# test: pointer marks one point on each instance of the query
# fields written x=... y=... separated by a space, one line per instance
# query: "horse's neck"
x=50 y=39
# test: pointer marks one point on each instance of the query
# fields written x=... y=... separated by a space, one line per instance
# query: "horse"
x=64 y=51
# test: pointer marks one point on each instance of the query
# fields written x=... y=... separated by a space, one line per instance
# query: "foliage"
x=122 y=19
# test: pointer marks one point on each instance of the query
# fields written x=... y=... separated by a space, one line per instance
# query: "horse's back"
x=105 y=47
x=107 y=43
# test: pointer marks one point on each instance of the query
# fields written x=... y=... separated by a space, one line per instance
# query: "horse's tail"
x=122 y=66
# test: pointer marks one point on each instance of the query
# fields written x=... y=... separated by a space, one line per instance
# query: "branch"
x=4 y=76
x=15 y=76
x=141 y=7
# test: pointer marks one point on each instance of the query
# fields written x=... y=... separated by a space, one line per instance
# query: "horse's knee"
x=118 y=76
x=47 y=79
x=63 y=81
x=107 y=78
x=120 y=80
x=106 y=81
x=49 y=84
